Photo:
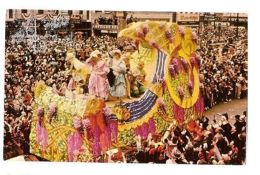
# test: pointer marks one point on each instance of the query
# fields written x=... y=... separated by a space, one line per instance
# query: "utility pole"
x=237 y=25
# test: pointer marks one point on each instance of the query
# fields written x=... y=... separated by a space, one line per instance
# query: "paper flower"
x=145 y=29
x=168 y=35
x=192 y=61
x=161 y=102
x=172 y=70
x=139 y=33
x=161 y=105
x=175 y=65
x=53 y=108
x=184 y=64
x=180 y=92
x=40 y=112
x=77 y=122
x=52 y=111
x=154 y=44
x=190 y=87
x=181 y=31
x=86 y=123
x=163 y=86
x=197 y=57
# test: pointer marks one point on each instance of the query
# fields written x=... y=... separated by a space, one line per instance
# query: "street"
x=237 y=106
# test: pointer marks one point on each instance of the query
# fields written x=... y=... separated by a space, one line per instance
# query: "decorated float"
x=80 y=129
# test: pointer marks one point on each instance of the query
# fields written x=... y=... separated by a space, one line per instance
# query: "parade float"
x=80 y=129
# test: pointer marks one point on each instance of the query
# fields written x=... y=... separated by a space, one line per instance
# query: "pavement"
x=234 y=107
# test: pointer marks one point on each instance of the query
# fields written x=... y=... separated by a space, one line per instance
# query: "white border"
x=243 y=6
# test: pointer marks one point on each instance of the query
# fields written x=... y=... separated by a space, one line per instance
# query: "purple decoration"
x=180 y=92
x=53 y=108
x=197 y=58
x=139 y=33
x=163 y=86
x=107 y=137
x=181 y=31
x=77 y=122
x=154 y=44
x=145 y=29
x=74 y=144
x=190 y=87
x=178 y=113
x=172 y=70
x=96 y=142
x=86 y=124
x=161 y=105
x=192 y=61
x=184 y=64
x=152 y=127
x=168 y=35
x=42 y=136
x=40 y=112
x=144 y=130
x=175 y=65
x=114 y=130
x=52 y=111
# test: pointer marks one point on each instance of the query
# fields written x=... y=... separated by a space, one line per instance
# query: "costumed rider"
x=98 y=83
x=117 y=64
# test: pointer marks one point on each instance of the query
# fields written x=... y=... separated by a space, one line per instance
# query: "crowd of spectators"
x=223 y=77
x=223 y=68
x=217 y=142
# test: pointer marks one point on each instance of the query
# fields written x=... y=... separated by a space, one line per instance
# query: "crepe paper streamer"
x=41 y=135
x=74 y=142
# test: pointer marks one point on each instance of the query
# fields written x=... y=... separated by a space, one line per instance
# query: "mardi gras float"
x=80 y=129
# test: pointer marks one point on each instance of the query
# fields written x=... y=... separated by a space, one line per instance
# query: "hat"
x=95 y=54
x=116 y=51
x=237 y=117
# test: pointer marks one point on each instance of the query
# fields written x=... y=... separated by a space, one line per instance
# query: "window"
x=24 y=11
x=40 y=11
x=81 y=12
x=11 y=15
x=70 y=12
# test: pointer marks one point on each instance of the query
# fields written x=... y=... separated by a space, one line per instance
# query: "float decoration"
x=172 y=96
